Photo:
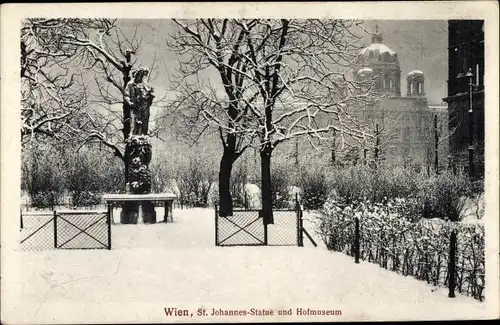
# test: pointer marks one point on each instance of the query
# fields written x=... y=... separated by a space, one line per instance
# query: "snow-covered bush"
x=280 y=180
x=394 y=182
x=315 y=189
x=253 y=194
x=85 y=199
x=239 y=177
x=357 y=183
x=294 y=193
x=351 y=184
x=396 y=240
x=194 y=181
x=446 y=196
x=42 y=176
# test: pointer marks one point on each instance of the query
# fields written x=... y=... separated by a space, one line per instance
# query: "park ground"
x=177 y=265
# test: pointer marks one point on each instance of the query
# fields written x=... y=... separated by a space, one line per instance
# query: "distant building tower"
x=403 y=124
x=384 y=64
x=415 y=84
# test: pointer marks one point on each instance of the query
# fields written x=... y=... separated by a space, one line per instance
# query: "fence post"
x=261 y=214
x=300 y=242
x=216 y=226
x=55 y=229
x=246 y=201
x=109 y=225
x=301 y=221
x=356 y=240
x=22 y=219
x=301 y=227
x=451 y=264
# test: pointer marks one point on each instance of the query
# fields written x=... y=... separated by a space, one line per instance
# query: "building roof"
x=377 y=52
x=415 y=72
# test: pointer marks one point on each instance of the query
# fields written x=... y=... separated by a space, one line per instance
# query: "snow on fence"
x=417 y=248
x=65 y=230
x=246 y=228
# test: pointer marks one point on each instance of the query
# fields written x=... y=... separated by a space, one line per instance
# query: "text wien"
x=177 y=312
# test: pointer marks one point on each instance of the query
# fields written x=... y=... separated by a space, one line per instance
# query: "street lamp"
x=469 y=75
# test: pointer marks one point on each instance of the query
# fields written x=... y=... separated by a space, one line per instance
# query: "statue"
x=139 y=97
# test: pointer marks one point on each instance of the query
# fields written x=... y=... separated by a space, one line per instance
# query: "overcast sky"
x=419 y=44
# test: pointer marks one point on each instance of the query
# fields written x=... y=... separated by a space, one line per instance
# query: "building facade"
x=466 y=93
x=404 y=119
x=405 y=122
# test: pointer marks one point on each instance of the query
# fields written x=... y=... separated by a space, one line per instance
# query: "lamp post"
x=469 y=75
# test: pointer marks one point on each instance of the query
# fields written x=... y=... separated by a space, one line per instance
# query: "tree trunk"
x=127 y=67
x=225 y=199
x=267 y=198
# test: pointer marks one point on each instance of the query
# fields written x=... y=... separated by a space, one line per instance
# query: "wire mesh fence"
x=247 y=228
x=284 y=230
x=65 y=230
x=82 y=230
x=243 y=228
x=37 y=231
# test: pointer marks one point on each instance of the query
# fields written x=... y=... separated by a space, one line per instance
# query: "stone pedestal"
x=138 y=212
x=138 y=153
x=140 y=208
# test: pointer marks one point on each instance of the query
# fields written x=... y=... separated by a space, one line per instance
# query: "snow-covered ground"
x=177 y=265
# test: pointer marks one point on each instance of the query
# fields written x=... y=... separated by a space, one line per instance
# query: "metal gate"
x=243 y=228
x=66 y=230
x=247 y=228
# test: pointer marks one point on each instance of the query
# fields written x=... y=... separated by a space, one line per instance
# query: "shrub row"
x=401 y=244
x=49 y=175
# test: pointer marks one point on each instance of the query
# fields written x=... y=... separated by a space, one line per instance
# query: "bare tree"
x=437 y=134
x=213 y=46
x=52 y=91
x=103 y=56
x=281 y=79
x=385 y=123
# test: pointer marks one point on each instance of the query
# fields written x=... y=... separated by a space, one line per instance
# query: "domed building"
x=383 y=63
x=404 y=123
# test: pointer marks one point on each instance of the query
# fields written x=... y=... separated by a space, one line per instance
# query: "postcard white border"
x=12 y=14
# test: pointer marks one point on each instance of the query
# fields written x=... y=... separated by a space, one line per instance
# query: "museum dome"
x=377 y=53
x=415 y=73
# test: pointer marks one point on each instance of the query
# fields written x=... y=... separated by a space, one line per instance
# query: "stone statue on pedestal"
x=139 y=97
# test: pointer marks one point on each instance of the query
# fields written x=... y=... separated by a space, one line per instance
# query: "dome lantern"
x=384 y=63
x=377 y=37
x=415 y=84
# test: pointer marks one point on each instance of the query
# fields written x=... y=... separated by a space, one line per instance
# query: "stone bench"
x=141 y=207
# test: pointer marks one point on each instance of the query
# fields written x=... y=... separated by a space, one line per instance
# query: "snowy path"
x=177 y=265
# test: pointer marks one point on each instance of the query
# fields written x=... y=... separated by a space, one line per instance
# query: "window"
x=465 y=56
x=411 y=87
x=391 y=83
x=477 y=74
x=420 y=86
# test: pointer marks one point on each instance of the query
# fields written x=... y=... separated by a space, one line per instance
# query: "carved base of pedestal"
x=138 y=212
x=140 y=208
